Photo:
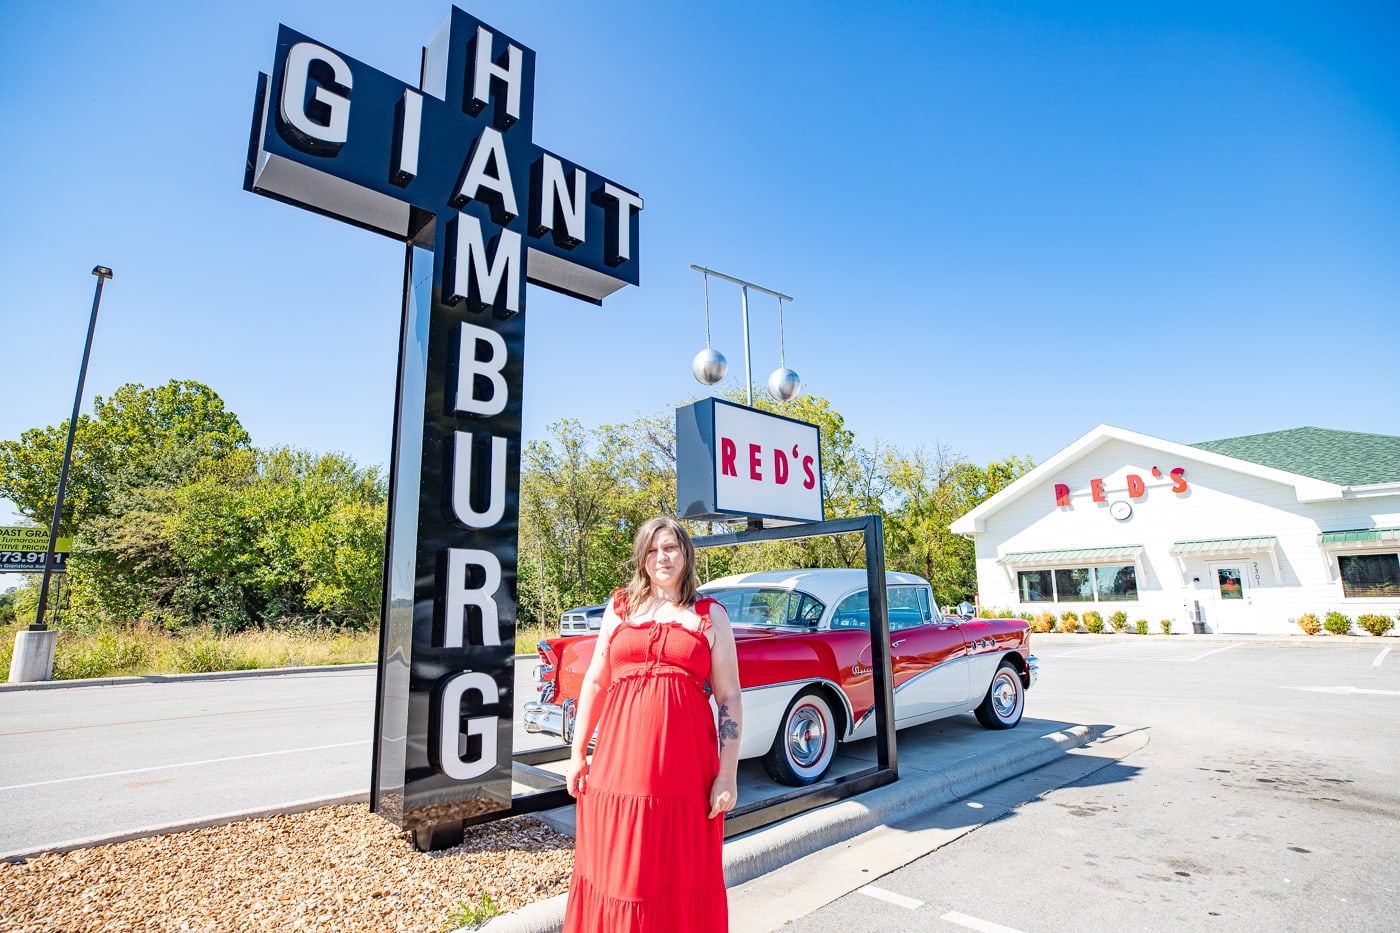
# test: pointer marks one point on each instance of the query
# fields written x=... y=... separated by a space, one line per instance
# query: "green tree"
x=137 y=438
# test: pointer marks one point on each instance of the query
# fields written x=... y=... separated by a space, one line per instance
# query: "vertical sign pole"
x=448 y=164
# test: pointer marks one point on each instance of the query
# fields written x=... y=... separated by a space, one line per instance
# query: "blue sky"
x=1002 y=223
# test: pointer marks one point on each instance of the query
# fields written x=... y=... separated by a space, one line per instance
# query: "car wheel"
x=1001 y=708
x=806 y=742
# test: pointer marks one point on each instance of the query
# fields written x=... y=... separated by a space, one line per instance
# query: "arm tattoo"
x=728 y=728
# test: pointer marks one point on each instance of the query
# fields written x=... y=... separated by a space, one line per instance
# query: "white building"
x=1240 y=535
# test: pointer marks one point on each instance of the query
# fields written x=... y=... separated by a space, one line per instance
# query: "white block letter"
x=296 y=75
x=555 y=189
x=489 y=149
x=451 y=740
x=469 y=367
x=626 y=203
x=467 y=264
x=457 y=598
x=462 y=482
x=486 y=69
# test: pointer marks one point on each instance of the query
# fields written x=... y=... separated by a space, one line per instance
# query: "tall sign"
x=449 y=164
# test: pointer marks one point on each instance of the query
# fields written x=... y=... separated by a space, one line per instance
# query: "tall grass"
x=143 y=649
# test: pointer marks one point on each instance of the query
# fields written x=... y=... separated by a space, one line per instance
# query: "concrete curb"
x=761 y=851
x=177 y=678
x=286 y=809
x=210 y=675
x=1041 y=640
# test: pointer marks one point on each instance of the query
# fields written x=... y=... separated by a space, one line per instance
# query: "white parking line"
x=182 y=764
x=1380 y=657
x=1216 y=651
x=1350 y=690
x=972 y=923
x=1065 y=654
x=889 y=897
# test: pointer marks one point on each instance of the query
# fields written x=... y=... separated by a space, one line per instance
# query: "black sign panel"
x=449 y=165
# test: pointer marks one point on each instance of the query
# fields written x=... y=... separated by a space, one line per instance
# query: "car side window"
x=907 y=610
x=852 y=612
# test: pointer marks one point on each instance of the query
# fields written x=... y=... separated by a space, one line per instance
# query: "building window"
x=1036 y=586
x=1116 y=584
x=1075 y=586
x=1078 y=585
x=1366 y=575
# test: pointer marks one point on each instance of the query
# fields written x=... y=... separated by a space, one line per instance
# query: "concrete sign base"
x=33 y=657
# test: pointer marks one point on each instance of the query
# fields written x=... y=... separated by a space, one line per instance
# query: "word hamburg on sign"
x=449 y=165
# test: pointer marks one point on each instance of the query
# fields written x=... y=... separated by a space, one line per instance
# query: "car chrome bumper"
x=1032 y=670
x=549 y=719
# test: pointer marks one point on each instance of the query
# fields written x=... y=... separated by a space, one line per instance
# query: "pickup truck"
x=805 y=665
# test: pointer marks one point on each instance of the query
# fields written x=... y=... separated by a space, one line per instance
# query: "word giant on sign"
x=734 y=461
x=449 y=165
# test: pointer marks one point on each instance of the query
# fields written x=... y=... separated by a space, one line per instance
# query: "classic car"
x=805 y=665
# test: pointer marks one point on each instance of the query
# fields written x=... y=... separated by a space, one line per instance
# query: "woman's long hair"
x=639 y=591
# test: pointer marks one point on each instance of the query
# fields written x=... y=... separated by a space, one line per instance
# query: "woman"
x=651 y=805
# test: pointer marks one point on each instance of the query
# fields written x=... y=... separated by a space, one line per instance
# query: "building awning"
x=1361 y=536
x=1074 y=555
x=1332 y=542
x=1227 y=547
x=1209 y=547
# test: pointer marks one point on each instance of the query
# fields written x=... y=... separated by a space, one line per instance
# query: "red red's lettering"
x=780 y=467
x=726 y=457
x=755 y=462
x=811 y=479
x=1136 y=487
x=1178 y=480
x=1061 y=494
x=1096 y=489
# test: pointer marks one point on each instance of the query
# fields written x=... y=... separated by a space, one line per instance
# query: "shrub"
x=1309 y=624
x=1375 y=624
x=1141 y=626
x=1069 y=621
x=1119 y=621
x=1337 y=624
x=1166 y=626
x=1043 y=622
x=1093 y=622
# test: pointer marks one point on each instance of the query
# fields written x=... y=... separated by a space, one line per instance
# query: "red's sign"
x=1137 y=487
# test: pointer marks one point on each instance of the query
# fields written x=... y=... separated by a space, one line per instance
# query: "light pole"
x=103 y=274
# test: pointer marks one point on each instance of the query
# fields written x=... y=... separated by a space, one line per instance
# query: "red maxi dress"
x=647 y=858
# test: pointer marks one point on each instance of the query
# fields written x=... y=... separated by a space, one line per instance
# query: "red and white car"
x=803 y=640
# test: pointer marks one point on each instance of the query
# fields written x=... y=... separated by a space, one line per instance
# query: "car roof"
x=827 y=585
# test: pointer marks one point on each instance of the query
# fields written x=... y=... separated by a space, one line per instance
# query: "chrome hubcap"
x=1005 y=695
x=806 y=736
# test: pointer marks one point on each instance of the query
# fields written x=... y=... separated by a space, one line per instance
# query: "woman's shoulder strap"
x=703 y=605
x=619 y=602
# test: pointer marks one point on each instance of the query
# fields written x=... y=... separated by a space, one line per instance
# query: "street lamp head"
x=102 y=272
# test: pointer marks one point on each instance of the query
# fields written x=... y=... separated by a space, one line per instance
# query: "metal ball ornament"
x=709 y=366
x=784 y=385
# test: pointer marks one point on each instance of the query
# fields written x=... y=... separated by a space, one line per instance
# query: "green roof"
x=1208 y=546
x=1359 y=536
x=1090 y=555
x=1347 y=458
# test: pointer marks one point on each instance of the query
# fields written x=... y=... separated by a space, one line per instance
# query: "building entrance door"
x=1230 y=598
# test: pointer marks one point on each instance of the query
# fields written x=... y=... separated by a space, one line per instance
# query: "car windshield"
x=759 y=606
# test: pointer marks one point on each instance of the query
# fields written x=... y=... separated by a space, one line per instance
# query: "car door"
x=927 y=653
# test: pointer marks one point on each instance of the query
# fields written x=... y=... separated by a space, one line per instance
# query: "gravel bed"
x=335 y=869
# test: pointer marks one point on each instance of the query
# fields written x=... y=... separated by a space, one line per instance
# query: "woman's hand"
x=577 y=776
x=724 y=794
